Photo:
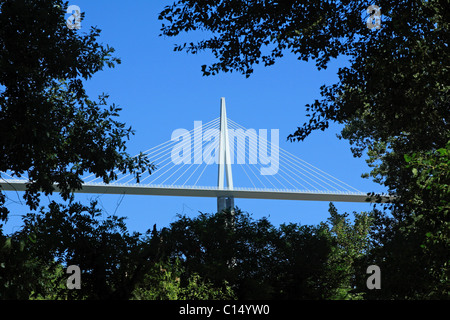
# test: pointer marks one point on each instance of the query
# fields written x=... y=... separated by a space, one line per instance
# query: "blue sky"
x=161 y=90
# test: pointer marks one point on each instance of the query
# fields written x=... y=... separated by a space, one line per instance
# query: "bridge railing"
x=163 y=186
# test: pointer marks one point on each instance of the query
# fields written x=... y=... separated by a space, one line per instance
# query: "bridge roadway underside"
x=208 y=193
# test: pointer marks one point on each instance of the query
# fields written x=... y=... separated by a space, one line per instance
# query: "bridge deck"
x=208 y=192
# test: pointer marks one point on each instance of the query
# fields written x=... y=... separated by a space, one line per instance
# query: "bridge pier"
x=225 y=203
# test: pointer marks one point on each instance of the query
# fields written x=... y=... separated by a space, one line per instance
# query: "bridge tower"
x=224 y=202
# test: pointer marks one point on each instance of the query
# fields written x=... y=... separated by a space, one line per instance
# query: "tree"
x=205 y=257
x=50 y=130
x=392 y=100
x=261 y=261
x=302 y=255
x=208 y=246
x=350 y=245
x=114 y=263
x=112 y=260
x=413 y=250
x=163 y=282
x=20 y=274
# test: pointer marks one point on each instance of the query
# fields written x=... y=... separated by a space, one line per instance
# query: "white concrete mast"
x=227 y=202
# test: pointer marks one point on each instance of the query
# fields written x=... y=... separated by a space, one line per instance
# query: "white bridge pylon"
x=225 y=201
x=277 y=175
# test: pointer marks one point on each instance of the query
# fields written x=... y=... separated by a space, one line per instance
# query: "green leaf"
x=443 y=151
x=7 y=244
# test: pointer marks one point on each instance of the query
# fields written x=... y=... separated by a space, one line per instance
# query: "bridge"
x=277 y=174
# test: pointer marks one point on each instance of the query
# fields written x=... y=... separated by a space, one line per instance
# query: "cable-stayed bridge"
x=187 y=166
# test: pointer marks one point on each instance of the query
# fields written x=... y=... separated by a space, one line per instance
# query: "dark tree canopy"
x=50 y=130
x=245 y=33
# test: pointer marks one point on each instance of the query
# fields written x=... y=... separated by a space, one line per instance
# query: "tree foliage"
x=50 y=130
x=261 y=261
x=201 y=258
x=412 y=244
x=110 y=257
x=163 y=282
